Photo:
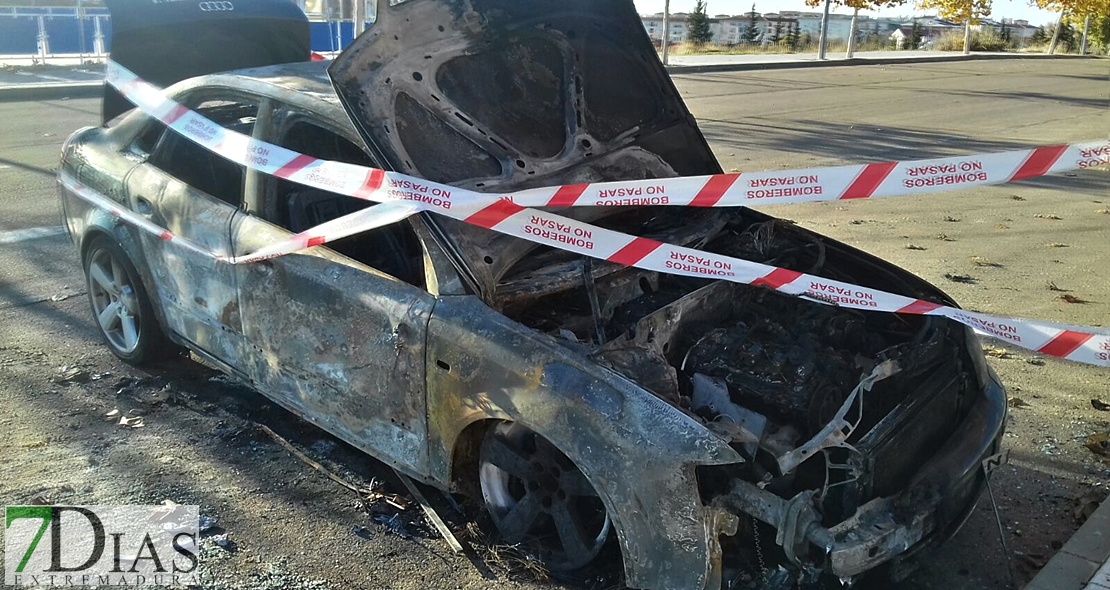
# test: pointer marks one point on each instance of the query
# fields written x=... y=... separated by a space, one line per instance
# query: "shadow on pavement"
x=28 y=168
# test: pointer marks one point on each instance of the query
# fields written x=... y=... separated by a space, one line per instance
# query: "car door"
x=340 y=335
x=194 y=193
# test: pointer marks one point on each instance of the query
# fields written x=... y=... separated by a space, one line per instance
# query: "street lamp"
x=824 y=32
x=666 y=28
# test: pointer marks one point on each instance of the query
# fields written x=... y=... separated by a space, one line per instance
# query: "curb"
x=858 y=61
x=96 y=89
x=51 y=91
x=1087 y=553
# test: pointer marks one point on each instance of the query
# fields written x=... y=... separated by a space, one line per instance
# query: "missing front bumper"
x=930 y=509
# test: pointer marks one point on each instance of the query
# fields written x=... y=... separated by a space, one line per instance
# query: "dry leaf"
x=1085 y=505
x=913 y=247
x=998 y=353
x=1017 y=402
x=1050 y=216
x=980 y=261
x=1099 y=444
x=1057 y=245
x=944 y=238
x=1052 y=287
x=1017 y=198
x=1068 y=297
x=1100 y=405
x=136 y=422
x=959 y=278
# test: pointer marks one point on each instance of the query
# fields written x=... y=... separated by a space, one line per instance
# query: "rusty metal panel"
x=635 y=448
x=338 y=343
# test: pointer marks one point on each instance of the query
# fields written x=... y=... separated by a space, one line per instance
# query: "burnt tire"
x=539 y=501
x=121 y=307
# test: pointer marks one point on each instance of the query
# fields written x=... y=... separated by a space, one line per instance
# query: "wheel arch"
x=638 y=451
x=465 y=453
x=103 y=225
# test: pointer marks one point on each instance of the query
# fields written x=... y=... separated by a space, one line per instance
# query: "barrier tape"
x=509 y=216
x=810 y=185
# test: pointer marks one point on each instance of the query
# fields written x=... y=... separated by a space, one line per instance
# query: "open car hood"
x=166 y=42
x=500 y=95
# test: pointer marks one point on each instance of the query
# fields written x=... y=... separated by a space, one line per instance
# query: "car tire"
x=539 y=500
x=121 y=308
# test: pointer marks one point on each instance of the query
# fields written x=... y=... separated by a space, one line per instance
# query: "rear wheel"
x=121 y=309
x=538 y=499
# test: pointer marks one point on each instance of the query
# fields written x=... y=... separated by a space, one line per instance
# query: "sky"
x=1016 y=9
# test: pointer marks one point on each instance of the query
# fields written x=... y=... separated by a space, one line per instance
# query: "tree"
x=856 y=5
x=776 y=32
x=752 y=34
x=1086 y=10
x=1100 y=32
x=1039 y=36
x=916 y=36
x=967 y=11
x=1004 y=34
x=793 y=36
x=1064 y=35
x=697 y=25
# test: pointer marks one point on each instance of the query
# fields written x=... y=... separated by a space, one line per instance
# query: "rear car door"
x=340 y=331
x=194 y=193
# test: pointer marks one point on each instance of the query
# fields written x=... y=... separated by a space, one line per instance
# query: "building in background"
x=729 y=29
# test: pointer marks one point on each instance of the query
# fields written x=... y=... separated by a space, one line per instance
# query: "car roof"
x=305 y=85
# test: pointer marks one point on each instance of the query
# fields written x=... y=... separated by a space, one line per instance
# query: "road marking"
x=34 y=233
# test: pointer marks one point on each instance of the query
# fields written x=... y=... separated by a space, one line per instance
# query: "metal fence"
x=45 y=32
x=49 y=32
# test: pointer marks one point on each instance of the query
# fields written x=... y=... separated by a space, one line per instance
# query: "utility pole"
x=359 y=17
x=1083 y=43
x=338 y=10
x=967 y=33
x=852 y=35
x=824 y=32
x=43 y=40
x=666 y=28
x=1056 y=34
x=98 y=37
x=81 y=33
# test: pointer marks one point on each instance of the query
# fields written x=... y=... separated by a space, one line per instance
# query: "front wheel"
x=538 y=499
x=121 y=309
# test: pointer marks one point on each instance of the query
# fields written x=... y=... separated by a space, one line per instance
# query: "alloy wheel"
x=114 y=301
x=539 y=499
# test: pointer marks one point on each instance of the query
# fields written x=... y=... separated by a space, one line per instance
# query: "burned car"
x=711 y=431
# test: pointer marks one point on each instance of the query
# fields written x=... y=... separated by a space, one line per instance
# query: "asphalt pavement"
x=754 y=121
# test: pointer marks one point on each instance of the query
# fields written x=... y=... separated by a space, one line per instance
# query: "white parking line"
x=33 y=233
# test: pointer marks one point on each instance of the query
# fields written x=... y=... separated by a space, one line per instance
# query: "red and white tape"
x=509 y=216
x=809 y=185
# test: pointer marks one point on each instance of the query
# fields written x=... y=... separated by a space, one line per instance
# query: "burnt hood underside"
x=500 y=95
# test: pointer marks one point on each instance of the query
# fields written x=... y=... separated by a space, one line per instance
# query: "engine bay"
x=794 y=385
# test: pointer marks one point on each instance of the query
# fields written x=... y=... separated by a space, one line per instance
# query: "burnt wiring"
x=591 y=294
x=762 y=240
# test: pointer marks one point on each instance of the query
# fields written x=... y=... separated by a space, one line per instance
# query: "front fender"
x=639 y=451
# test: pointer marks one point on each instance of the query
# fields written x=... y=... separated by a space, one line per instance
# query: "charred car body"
x=688 y=421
